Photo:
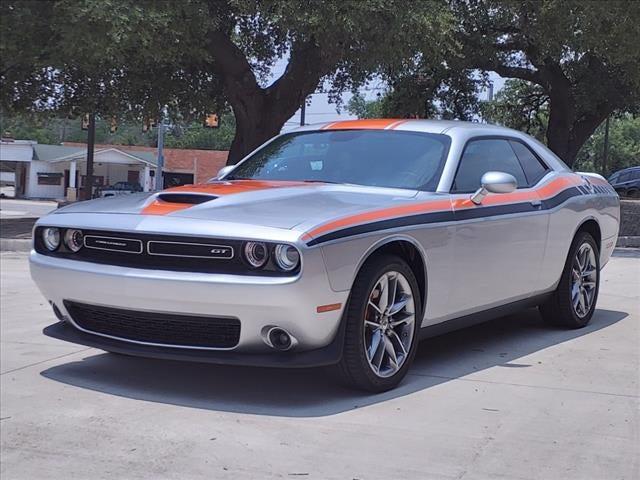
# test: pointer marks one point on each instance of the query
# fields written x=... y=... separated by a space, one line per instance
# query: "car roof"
x=460 y=131
x=405 y=124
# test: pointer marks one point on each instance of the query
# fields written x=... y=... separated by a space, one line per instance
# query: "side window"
x=534 y=169
x=486 y=155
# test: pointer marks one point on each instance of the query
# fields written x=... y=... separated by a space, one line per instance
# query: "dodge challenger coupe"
x=340 y=244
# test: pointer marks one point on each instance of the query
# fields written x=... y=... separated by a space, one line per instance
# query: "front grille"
x=159 y=328
x=154 y=251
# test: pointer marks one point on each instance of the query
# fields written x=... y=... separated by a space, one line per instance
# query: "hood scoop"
x=185 y=198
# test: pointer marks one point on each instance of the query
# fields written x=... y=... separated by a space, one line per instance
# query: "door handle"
x=536 y=203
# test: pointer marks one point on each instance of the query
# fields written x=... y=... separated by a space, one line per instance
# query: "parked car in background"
x=337 y=244
x=120 y=188
x=627 y=182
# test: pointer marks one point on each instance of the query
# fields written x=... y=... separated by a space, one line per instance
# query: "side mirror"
x=494 y=182
x=223 y=171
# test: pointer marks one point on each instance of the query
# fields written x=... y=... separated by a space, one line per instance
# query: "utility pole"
x=605 y=154
x=303 y=109
x=159 y=178
x=91 y=143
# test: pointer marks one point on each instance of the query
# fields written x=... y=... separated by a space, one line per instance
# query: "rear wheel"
x=382 y=323
x=574 y=301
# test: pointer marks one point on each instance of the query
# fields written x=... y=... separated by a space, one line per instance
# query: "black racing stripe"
x=560 y=198
x=420 y=219
x=448 y=216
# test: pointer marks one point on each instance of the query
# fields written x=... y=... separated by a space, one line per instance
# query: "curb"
x=15 y=244
x=629 y=242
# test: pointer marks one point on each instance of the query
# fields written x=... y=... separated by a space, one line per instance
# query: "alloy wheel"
x=584 y=275
x=389 y=324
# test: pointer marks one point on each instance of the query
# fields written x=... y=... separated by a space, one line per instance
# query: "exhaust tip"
x=280 y=339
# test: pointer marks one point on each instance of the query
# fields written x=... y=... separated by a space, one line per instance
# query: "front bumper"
x=258 y=302
x=324 y=356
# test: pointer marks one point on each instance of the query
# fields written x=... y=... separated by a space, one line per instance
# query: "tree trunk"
x=251 y=133
x=260 y=116
x=565 y=135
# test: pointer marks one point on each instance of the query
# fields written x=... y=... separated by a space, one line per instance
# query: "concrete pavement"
x=510 y=399
x=16 y=208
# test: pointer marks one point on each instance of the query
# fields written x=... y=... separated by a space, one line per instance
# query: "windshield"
x=379 y=158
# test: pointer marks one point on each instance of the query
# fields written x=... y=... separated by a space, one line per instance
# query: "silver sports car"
x=341 y=244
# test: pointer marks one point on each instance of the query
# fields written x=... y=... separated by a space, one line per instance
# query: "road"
x=510 y=399
x=13 y=208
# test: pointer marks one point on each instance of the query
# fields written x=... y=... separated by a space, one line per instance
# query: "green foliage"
x=194 y=135
x=363 y=108
x=520 y=105
x=624 y=146
x=583 y=55
x=133 y=57
x=54 y=130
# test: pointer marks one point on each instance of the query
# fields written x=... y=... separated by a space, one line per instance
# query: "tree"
x=50 y=129
x=437 y=93
x=520 y=105
x=624 y=146
x=582 y=55
x=137 y=56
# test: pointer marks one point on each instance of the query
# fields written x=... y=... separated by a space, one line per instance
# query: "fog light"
x=74 y=240
x=51 y=238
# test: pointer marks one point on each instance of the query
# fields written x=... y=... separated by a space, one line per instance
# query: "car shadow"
x=314 y=392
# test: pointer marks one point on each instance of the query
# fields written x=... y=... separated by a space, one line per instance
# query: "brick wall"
x=204 y=164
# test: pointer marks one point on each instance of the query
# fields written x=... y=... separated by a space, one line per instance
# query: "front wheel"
x=574 y=301
x=382 y=322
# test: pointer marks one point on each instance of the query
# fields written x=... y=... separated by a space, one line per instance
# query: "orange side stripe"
x=546 y=191
x=415 y=208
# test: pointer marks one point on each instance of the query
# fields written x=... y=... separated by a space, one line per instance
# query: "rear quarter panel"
x=599 y=203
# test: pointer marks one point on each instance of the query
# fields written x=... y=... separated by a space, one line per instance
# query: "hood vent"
x=188 y=198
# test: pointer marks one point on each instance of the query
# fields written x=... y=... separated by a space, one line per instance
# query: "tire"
x=634 y=194
x=385 y=370
x=561 y=309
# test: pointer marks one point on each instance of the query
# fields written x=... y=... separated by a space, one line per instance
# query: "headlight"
x=51 y=238
x=287 y=257
x=256 y=254
x=74 y=240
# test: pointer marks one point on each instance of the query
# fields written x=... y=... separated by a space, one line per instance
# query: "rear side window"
x=486 y=155
x=533 y=168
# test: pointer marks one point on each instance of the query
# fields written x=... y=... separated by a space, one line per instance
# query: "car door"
x=499 y=245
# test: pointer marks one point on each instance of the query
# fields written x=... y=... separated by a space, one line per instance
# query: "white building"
x=58 y=172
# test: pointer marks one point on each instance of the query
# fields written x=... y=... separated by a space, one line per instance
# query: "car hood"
x=270 y=204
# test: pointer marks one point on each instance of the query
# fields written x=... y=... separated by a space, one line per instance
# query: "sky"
x=319 y=109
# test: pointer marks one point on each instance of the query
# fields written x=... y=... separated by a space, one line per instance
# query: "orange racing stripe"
x=366 y=124
x=161 y=207
x=546 y=191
